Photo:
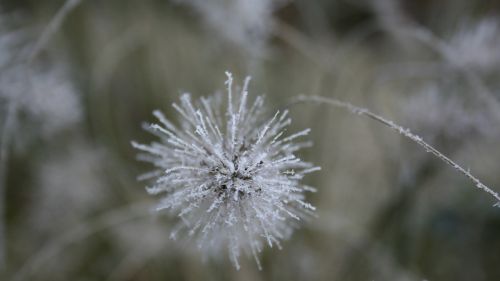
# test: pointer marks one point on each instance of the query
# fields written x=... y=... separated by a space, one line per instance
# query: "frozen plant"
x=42 y=93
x=231 y=176
x=477 y=45
x=53 y=100
x=446 y=116
x=405 y=132
x=245 y=23
x=46 y=98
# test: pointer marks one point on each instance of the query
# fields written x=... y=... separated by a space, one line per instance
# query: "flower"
x=231 y=177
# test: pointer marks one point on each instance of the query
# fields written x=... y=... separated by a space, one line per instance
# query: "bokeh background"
x=78 y=78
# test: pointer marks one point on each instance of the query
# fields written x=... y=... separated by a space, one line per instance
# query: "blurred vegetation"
x=387 y=210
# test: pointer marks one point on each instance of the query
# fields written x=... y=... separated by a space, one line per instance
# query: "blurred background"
x=78 y=78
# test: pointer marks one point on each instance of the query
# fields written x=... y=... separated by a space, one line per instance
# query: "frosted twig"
x=401 y=130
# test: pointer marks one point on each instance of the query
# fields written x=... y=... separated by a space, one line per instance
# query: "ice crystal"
x=232 y=177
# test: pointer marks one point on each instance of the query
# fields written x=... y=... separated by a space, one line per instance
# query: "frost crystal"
x=232 y=177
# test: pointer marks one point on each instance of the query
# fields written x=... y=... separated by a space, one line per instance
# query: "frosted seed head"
x=229 y=174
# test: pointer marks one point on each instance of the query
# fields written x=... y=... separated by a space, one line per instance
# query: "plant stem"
x=401 y=130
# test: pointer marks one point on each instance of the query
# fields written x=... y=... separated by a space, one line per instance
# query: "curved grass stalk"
x=401 y=130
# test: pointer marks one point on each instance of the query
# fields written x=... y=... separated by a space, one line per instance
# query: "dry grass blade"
x=401 y=130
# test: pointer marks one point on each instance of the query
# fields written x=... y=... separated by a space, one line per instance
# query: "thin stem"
x=5 y=139
x=401 y=130
x=52 y=27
